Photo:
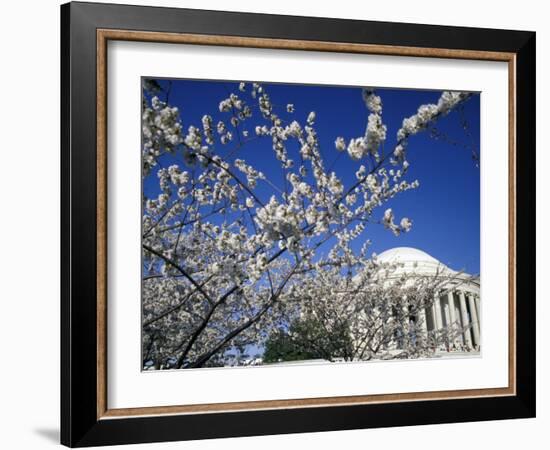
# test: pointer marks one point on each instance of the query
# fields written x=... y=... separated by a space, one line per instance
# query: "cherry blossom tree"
x=223 y=263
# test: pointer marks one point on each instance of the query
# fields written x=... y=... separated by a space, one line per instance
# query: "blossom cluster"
x=279 y=222
x=161 y=130
x=375 y=133
x=388 y=220
x=426 y=115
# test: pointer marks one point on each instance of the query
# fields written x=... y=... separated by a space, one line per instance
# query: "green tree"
x=308 y=339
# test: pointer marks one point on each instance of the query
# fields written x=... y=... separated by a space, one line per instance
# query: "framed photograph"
x=276 y=224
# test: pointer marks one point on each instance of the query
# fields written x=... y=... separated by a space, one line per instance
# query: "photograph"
x=286 y=224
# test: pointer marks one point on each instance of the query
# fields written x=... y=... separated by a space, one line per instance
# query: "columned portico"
x=458 y=317
x=453 y=312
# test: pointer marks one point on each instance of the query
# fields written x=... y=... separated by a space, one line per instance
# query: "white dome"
x=406 y=254
x=413 y=260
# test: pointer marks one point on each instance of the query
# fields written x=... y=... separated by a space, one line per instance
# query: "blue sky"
x=445 y=209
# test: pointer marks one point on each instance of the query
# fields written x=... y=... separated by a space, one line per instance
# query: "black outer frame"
x=79 y=424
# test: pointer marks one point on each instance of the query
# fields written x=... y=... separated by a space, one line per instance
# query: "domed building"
x=458 y=305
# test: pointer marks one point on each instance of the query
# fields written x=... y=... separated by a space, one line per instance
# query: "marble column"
x=438 y=317
x=452 y=315
x=438 y=313
x=445 y=309
x=432 y=314
x=423 y=325
x=405 y=323
x=465 y=319
x=475 y=319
